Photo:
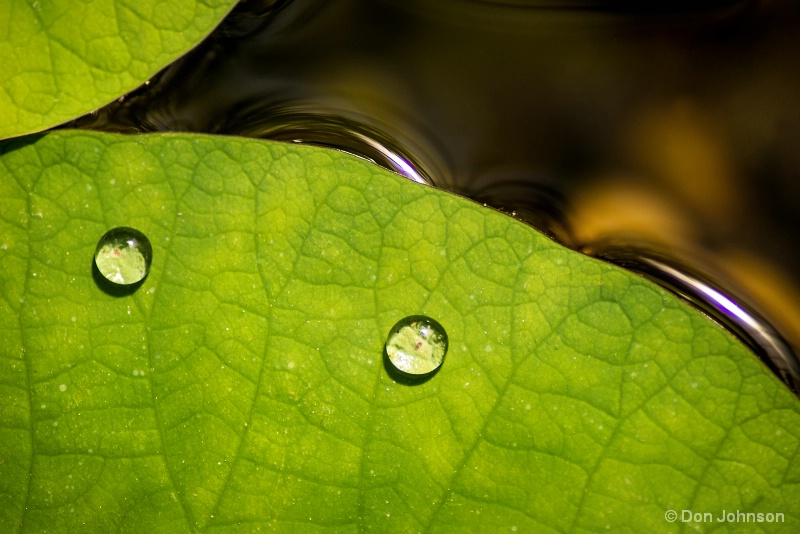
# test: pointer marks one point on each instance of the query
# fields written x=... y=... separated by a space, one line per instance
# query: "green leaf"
x=242 y=385
x=60 y=59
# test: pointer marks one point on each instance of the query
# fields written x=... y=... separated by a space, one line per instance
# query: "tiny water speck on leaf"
x=123 y=256
x=416 y=345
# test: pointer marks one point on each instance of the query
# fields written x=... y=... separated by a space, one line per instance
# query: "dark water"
x=628 y=130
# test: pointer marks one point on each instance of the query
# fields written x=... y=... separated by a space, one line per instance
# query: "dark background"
x=669 y=126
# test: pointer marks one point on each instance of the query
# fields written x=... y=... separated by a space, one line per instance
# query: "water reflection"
x=708 y=295
x=676 y=122
x=534 y=199
x=298 y=124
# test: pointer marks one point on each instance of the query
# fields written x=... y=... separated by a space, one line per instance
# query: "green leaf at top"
x=60 y=59
x=242 y=385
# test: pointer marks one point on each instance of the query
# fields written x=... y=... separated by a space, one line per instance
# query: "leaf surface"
x=60 y=59
x=242 y=385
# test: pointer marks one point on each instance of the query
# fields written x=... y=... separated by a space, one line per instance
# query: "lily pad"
x=60 y=59
x=242 y=384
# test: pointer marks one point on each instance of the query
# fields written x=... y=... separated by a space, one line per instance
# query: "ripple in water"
x=711 y=297
x=294 y=124
x=260 y=75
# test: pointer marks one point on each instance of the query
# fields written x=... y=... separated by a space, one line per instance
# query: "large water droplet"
x=123 y=256
x=416 y=346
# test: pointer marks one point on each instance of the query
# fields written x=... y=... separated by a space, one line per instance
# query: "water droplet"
x=416 y=346
x=123 y=256
x=62 y=387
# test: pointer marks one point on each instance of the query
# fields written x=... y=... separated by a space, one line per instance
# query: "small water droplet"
x=123 y=256
x=416 y=345
x=62 y=387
